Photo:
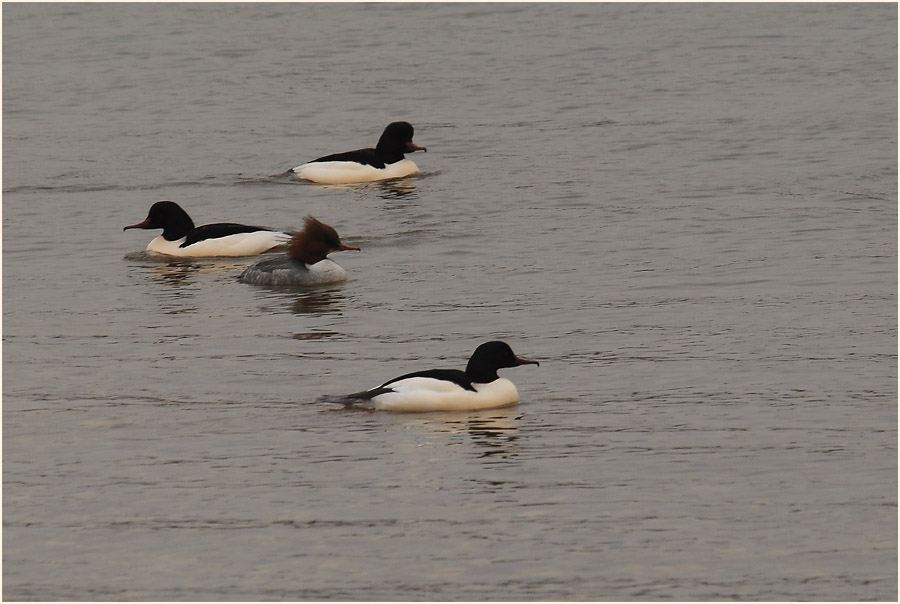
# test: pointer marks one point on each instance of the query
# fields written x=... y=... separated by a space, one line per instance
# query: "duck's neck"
x=179 y=227
x=481 y=374
x=389 y=153
x=307 y=251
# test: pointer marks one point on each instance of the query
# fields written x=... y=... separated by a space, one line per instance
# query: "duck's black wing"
x=366 y=157
x=220 y=229
x=449 y=375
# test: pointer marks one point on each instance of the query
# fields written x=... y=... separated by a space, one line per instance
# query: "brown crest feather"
x=314 y=242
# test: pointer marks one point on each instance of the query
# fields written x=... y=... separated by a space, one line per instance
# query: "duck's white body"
x=478 y=387
x=239 y=244
x=422 y=394
x=209 y=240
x=348 y=172
x=287 y=271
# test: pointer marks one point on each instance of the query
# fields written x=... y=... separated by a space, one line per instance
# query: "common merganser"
x=478 y=387
x=305 y=262
x=181 y=238
x=385 y=161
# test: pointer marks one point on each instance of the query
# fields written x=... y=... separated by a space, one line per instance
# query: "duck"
x=181 y=238
x=478 y=387
x=385 y=161
x=305 y=262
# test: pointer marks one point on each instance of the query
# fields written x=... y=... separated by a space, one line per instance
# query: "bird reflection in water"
x=498 y=435
x=496 y=430
x=319 y=302
x=305 y=300
x=179 y=272
x=399 y=188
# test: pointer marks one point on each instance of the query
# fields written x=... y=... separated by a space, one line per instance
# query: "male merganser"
x=386 y=160
x=181 y=238
x=305 y=262
x=478 y=387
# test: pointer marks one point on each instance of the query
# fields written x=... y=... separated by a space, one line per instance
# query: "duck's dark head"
x=315 y=242
x=395 y=141
x=491 y=356
x=168 y=216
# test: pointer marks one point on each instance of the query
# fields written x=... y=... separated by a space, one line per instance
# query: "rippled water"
x=687 y=213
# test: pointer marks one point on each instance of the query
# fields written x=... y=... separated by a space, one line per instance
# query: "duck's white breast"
x=346 y=172
x=239 y=244
x=321 y=273
x=419 y=394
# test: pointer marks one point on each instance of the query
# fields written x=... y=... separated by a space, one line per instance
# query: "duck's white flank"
x=422 y=394
x=346 y=172
x=239 y=244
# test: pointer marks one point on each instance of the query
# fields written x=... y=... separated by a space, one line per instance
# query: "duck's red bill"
x=140 y=225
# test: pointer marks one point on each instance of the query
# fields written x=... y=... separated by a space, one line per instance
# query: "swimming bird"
x=478 y=387
x=385 y=161
x=305 y=262
x=181 y=238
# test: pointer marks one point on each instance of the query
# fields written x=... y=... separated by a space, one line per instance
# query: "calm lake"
x=687 y=213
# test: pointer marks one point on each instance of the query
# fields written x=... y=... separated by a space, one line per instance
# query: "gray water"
x=687 y=213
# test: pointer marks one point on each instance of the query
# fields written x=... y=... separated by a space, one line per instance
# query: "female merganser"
x=478 y=387
x=181 y=238
x=305 y=262
x=386 y=160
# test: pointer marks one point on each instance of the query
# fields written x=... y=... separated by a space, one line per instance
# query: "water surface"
x=687 y=213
